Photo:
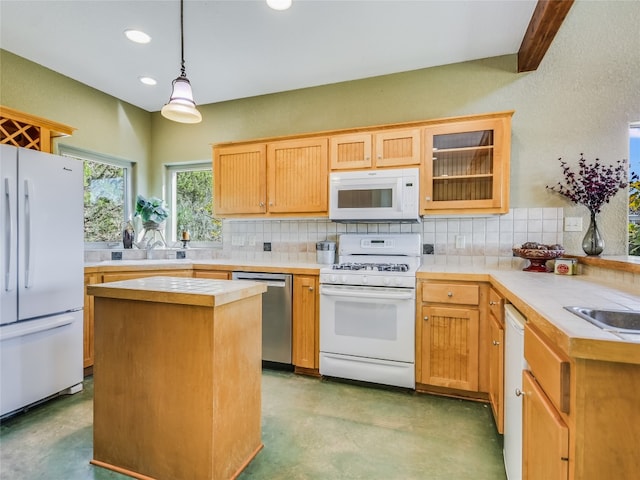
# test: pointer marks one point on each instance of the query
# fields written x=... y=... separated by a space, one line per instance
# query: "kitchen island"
x=177 y=377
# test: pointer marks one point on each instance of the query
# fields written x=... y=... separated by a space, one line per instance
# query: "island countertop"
x=178 y=290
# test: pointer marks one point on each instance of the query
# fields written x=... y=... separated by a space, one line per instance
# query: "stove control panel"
x=368 y=280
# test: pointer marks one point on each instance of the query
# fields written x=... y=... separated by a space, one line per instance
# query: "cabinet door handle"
x=311 y=289
x=496 y=343
x=493 y=303
x=426 y=318
x=261 y=204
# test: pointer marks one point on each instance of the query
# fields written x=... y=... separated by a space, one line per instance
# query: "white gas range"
x=367 y=309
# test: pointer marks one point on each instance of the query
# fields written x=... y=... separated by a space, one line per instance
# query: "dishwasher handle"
x=268 y=283
x=275 y=280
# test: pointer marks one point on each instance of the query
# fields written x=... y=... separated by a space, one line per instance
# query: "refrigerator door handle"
x=8 y=237
x=27 y=233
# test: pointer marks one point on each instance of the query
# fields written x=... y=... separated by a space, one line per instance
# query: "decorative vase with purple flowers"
x=592 y=185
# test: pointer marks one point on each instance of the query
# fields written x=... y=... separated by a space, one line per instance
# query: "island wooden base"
x=177 y=388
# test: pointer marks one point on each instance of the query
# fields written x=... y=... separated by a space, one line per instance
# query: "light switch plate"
x=573 y=224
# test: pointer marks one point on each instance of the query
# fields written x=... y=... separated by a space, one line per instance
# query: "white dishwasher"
x=514 y=363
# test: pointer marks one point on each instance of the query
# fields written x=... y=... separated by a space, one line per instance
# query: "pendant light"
x=181 y=107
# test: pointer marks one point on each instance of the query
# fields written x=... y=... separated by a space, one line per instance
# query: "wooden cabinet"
x=212 y=274
x=466 y=166
x=117 y=276
x=285 y=177
x=545 y=386
x=384 y=148
x=89 y=279
x=545 y=439
x=305 y=322
x=105 y=277
x=297 y=172
x=29 y=131
x=496 y=357
x=239 y=179
x=448 y=335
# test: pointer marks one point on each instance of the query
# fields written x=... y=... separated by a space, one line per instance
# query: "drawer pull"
x=449 y=294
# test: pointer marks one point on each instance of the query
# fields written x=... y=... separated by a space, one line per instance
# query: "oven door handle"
x=374 y=293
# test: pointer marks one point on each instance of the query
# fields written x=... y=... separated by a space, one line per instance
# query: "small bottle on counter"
x=186 y=235
x=128 y=235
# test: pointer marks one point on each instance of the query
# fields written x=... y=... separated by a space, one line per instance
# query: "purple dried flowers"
x=594 y=184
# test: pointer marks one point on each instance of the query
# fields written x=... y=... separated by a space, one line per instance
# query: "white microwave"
x=374 y=195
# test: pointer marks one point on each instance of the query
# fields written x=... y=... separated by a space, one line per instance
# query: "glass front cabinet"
x=466 y=166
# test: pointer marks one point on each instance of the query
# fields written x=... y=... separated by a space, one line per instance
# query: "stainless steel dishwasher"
x=276 y=316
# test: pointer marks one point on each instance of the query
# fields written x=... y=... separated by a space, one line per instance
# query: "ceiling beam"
x=545 y=23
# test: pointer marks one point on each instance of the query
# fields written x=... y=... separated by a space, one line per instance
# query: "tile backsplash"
x=480 y=241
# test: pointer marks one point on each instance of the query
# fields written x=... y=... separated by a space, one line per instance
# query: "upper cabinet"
x=463 y=163
x=466 y=166
x=284 y=177
x=240 y=179
x=383 y=148
x=28 y=131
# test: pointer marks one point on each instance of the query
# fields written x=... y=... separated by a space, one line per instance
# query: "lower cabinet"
x=105 y=277
x=212 y=274
x=496 y=358
x=305 y=322
x=448 y=335
x=89 y=279
x=545 y=436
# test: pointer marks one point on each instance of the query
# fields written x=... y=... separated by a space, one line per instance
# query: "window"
x=634 y=189
x=107 y=194
x=190 y=190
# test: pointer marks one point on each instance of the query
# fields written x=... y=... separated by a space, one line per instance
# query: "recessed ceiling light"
x=279 y=4
x=137 y=36
x=147 y=80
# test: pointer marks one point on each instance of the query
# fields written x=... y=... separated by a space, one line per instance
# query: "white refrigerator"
x=42 y=283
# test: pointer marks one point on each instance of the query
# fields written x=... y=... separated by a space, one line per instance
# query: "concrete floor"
x=312 y=430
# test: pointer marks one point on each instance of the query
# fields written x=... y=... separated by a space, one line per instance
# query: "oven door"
x=370 y=322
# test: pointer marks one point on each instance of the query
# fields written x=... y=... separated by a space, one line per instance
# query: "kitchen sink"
x=620 y=321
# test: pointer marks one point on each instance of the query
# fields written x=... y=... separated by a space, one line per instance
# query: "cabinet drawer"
x=450 y=293
x=550 y=369
x=496 y=306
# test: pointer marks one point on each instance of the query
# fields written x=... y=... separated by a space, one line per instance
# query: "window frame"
x=171 y=169
x=129 y=173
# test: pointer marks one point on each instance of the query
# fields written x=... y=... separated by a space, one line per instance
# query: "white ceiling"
x=242 y=48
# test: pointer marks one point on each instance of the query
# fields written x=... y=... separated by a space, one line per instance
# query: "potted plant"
x=592 y=185
x=152 y=211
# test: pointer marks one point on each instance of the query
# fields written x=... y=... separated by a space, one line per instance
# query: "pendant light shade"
x=181 y=107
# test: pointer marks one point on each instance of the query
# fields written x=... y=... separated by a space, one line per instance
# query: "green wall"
x=581 y=99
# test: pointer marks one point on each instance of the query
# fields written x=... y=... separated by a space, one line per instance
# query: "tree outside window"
x=192 y=202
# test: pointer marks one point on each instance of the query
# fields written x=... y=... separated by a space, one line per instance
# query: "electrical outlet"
x=573 y=224
x=266 y=247
x=427 y=249
x=116 y=255
x=181 y=255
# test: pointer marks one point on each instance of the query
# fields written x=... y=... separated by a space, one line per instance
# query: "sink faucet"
x=151 y=246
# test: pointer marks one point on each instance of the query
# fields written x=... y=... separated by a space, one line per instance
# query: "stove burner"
x=379 y=267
